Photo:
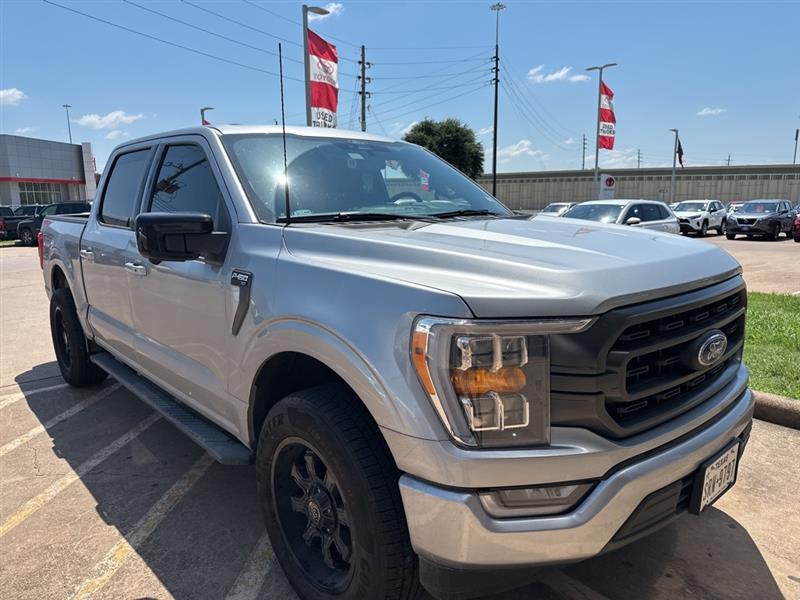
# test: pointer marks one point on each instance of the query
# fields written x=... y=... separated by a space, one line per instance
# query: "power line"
x=422 y=62
x=461 y=95
x=428 y=89
x=425 y=98
x=436 y=71
x=169 y=43
x=526 y=111
x=293 y=22
x=380 y=123
x=415 y=77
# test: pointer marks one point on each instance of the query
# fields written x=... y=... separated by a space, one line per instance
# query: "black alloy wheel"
x=26 y=236
x=313 y=515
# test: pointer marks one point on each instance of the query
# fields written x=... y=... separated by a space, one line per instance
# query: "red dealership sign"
x=608 y=121
x=323 y=81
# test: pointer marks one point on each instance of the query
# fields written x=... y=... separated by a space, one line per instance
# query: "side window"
x=49 y=210
x=634 y=211
x=664 y=212
x=186 y=183
x=122 y=190
x=650 y=212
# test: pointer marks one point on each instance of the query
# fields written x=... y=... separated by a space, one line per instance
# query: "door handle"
x=87 y=254
x=135 y=269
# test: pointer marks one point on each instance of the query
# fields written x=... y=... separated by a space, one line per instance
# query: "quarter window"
x=186 y=183
x=123 y=188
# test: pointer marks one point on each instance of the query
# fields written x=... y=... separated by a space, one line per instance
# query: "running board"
x=219 y=444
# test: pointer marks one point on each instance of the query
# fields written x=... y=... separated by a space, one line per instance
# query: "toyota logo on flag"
x=324 y=66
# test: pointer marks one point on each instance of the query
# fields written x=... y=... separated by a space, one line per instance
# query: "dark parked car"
x=28 y=210
x=9 y=219
x=796 y=229
x=28 y=228
x=762 y=218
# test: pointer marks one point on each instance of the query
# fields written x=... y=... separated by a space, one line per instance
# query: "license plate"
x=715 y=477
x=745 y=227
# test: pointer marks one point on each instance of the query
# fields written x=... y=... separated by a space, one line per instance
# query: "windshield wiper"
x=467 y=212
x=343 y=217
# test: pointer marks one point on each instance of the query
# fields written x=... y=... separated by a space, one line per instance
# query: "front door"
x=179 y=308
x=108 y=252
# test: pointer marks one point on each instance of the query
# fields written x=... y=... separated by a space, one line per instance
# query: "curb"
x=777 y=409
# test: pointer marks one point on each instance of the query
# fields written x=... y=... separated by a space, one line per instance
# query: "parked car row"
x=24 y=222
x=755 y=218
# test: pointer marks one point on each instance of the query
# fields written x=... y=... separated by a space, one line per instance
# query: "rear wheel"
x=26 y=237
x=69 y=342
x=723 y=227
x=329 y=492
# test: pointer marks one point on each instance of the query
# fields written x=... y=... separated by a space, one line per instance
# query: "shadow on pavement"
x=202 y=544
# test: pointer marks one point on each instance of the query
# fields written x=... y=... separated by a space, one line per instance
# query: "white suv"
x=648 y=214
x=698 y=216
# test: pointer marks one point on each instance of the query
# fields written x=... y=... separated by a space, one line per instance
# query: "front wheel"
x=775 y=233
x=723 y=227
x=703 y=229
x=26 y=237
x=69 y=342
x=329 y=492
x=730 y=236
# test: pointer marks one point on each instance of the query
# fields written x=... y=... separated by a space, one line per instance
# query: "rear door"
x=180 y=308
x=108 y=252
x=652 y=217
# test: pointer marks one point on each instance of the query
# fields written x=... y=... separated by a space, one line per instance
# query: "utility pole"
x=796 y=135
x=583 y=160
x=729 y=160
x=639 y=159
x=363 y=93
x=69 y=127
x=674 y=160
x=599 y=68
x=497 y=7
x=306 y=59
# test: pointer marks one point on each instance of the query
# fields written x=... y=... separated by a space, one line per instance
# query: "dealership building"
x=535 y=190
x=34 y=171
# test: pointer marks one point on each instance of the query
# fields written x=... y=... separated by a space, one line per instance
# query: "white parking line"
x=37 y=502
x=126 y=547
x=251 y=578
x=71 y=411
x=9 y=399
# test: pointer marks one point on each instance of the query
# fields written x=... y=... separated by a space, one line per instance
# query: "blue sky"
x=725 y=73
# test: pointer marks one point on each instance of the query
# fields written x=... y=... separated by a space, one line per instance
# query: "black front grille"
x=633 y=368
x=743 y=221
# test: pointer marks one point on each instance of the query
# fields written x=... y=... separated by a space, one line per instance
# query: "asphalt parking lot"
x=100 y=498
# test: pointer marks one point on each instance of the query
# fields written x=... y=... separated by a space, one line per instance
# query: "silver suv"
x=435 y=392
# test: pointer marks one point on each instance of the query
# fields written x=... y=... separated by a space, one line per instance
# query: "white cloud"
x=485 y=130
x=538 y=75
x=11 y=96
x=24 y=130
x=569 y=141
x=110 y=121
x=334 y=10
x=521 y=148
x=709 y=111
x=408 y=128
x=116 y=134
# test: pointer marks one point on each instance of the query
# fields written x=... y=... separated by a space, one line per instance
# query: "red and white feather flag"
x=324 y=81
x=608 y=122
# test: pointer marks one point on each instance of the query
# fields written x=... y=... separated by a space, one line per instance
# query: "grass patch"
x=4 y=243
x=772 y=346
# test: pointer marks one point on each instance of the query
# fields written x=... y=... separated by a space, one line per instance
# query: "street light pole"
x=674 y=161
x=599 y=68
x=69 y=127
x=796 y=135
x=306 y=58
x=497 y=7
x=203 y=111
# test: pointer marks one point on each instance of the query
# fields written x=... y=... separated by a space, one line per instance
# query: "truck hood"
x=516 y=267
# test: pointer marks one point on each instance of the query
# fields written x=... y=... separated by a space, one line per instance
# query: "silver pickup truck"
x=435 y=391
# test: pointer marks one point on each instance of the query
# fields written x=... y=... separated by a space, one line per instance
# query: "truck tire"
x=26 y=237
x=328 y=490
x=69 y=342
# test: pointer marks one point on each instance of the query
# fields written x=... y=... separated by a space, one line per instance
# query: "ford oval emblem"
x=712 y=349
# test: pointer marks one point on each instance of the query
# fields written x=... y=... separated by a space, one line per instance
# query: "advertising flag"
x=608 y=121
x=323 y=81
x=680 y=153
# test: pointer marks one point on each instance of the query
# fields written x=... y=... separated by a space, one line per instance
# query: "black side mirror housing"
x=179 y=237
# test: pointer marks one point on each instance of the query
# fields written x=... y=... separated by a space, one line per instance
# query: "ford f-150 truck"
x=436 y=392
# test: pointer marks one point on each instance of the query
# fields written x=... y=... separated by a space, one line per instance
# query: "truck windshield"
x=605 y=213
x=335 y=177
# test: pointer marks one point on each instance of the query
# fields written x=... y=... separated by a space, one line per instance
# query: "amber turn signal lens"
x=475 y=382
x=419 y=349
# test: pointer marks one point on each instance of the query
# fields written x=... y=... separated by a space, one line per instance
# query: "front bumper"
x=450 y=527
x=758 y=228
x=690 y=226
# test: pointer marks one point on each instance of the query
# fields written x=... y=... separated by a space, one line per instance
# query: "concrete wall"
x=534 y=190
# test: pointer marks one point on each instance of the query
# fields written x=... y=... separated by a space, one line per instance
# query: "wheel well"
x=59 y=279
x=281 y=375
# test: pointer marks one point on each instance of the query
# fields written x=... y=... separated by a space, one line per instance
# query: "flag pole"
x=674 y=161
x=306 y=66
x=599 y=68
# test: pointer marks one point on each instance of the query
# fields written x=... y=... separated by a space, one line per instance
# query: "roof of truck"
x=265 y=129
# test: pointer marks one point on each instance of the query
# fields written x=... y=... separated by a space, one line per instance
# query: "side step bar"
x=219 y=444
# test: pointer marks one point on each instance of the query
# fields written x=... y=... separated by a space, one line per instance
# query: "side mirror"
x=179 y=236
x=633 y=221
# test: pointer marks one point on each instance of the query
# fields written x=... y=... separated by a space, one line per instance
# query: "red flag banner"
x=323 y=81
x=608 y=122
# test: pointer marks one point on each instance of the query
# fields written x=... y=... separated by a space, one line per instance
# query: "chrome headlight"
x=489 y=380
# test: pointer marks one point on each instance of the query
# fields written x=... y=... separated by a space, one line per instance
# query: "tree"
x=453 y=141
